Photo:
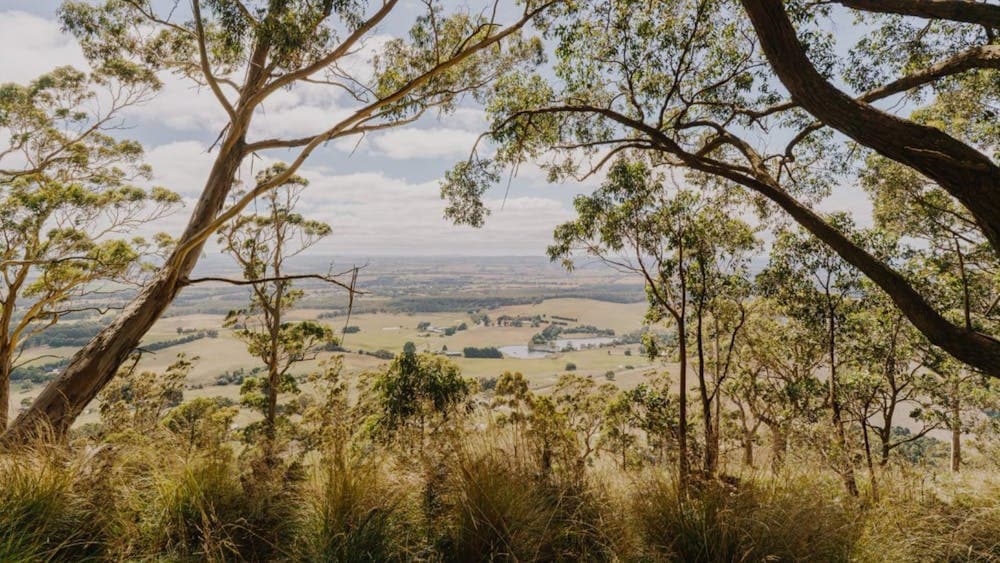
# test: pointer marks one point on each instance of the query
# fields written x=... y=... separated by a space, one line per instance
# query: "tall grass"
x=797 y=518
x=349 y=511
x=467 y=501
x=956 y=522
x=44 y=513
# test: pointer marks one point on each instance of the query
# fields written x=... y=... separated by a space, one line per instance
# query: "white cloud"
x=409 y=143
x=181 y=166
x=374 y=213
x=851 y=199
x=183 y=106
x=33 y=45
x=384 y=212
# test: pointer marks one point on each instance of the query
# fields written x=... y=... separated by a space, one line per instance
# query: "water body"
x=521 y=352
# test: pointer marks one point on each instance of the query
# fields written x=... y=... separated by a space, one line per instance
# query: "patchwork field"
x=389 y=331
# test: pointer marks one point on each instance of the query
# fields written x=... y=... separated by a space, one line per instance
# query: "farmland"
x=382 y=327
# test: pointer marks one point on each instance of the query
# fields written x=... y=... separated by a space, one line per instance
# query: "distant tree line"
x=160 y=345
x=488 y=352
x=589 y=329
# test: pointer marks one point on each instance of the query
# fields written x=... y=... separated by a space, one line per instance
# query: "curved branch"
x=321 y=277
x=976 y=349
x=205 y=67
x=965 y=173
x=985 y=56
x=966 y=11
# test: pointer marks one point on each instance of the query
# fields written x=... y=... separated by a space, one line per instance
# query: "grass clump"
x=45 y=514
x=756 y=519
x=349 y=511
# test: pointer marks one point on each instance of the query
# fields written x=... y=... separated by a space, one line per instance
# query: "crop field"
x=389 y=331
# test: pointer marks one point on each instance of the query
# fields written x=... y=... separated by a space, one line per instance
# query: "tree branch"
x=205 y=66
x=965 y=173
x=966 y=11
x=328 y=279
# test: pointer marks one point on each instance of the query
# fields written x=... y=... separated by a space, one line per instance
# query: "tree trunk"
x=842 y=457
x=7 y=350
x=748 y=438
x=868 y=460
x=682 y=468
x=5 y=369
x=710 y=461
x=92 y=367
x=779 y=446
x=956 y=436
x=886 y=439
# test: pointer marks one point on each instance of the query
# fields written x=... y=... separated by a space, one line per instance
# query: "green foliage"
x=134 y=403
x=43 y=511
x=416 y=393
x=748 y=520
x=350 y=513
x=260 y=244
x=487 y=352
x=68 y=195
x=497 y=507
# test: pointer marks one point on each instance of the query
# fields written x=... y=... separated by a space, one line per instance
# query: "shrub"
x=498 y=508
x=570 y=366
x=791 y=519
x=488 y=352
x=44 y=512
x=349 y=513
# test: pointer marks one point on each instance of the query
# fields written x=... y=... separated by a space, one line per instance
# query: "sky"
x=381 y=196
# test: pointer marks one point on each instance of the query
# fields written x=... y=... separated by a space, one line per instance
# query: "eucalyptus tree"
x=246 y=52
x=957 y=397
x=692 y=258
x=812 y=284
x=655 y=411
x=261 y=243
x=885 y=375
x=69 y=203
x=777 y=376
x=414 y=397
x=582 y=403
x=720 y=288
x=947 y=255
x=631 y=222
x=696 y=84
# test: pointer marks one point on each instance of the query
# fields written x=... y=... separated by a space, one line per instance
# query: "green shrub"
x=498 y=508
x=791 y=519
x=44 y=513
x=348 y=513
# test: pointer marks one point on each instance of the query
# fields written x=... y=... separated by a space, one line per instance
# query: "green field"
x=390 y=331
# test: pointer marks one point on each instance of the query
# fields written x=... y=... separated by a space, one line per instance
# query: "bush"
x=496 y=507
x=570 y=366
x=349 y=514
x=792 y=519
x=44 y=512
